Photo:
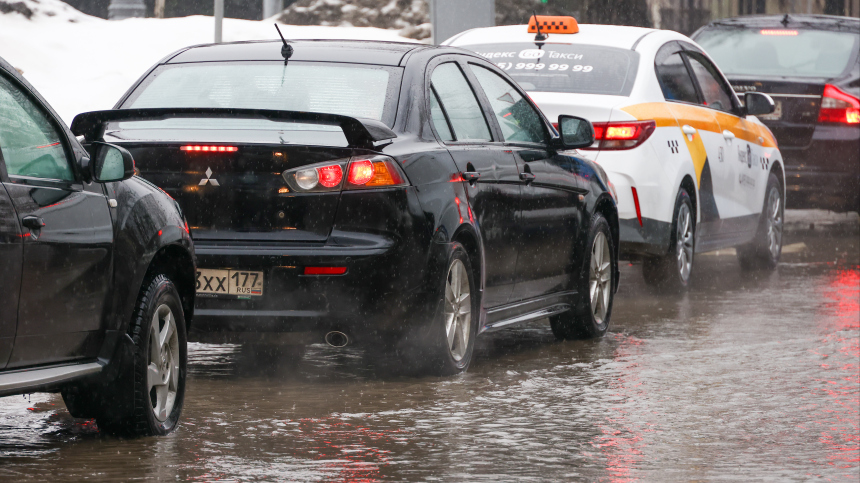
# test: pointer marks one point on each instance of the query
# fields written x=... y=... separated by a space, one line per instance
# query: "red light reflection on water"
x=621 y=442
x=839 y=319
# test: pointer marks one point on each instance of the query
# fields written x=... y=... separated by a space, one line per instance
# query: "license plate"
x=776 y=114
x=229 y=282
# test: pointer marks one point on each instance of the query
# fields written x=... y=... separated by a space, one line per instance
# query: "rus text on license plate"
x=229 y=282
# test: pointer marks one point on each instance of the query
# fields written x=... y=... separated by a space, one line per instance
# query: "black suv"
x=810 y=66
x=96 y=273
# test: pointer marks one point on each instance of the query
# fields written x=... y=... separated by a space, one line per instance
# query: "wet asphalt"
x=748 y=377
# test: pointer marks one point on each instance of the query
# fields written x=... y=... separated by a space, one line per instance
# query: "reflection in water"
x=747 y=377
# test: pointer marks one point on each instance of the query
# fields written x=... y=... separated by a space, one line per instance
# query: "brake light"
x=837 y=106
x=373 y=173
x=621 y=135
x=779 y=32
x=360 y=172
x=209 y=149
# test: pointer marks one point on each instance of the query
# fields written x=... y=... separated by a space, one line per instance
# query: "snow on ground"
x=81 y=63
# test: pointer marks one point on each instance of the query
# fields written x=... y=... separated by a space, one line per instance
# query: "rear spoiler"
x=360 y=133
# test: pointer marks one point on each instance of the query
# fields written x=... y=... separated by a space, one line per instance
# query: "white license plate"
x=776 y=114
x=229 y=282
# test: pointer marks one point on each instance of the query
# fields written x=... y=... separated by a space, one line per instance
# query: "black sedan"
x=400 y=193
x=810 y=66
x=96 y=273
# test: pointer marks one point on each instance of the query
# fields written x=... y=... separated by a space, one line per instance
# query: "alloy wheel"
x=163 y=369
x=600 y=277
x=774 y=223
x=458 y=310
x=684 y=241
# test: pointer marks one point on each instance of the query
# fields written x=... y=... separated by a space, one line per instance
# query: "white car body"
x=724 y=158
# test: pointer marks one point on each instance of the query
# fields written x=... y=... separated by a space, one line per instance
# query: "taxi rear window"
x=579 y=69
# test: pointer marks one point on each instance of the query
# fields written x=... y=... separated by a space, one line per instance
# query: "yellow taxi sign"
x=553 y=25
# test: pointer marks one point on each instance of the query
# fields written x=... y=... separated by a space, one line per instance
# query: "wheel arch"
x=177 y=264
x=606 y=206
x=468 y=237
x=688 y=184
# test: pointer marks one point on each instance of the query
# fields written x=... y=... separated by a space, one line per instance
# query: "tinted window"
x=780 y=52
x=30 y=143
x=713 y=90
x=517 y=118
x=349 y=90
x=460 y=103
x=675 y=80
x=584 y=69
x=440 y=122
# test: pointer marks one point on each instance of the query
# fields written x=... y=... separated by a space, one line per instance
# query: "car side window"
x=440 y=120
x=713 y=90
x=459 y=103
x=517 y=118
x=30 y=143
x=675 y=80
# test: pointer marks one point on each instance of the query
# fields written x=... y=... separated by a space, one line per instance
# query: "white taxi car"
x=693 y=168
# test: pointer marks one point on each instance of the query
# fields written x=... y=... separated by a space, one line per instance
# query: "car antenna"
x=287 y=49
x=785 y=20
x=539 y=37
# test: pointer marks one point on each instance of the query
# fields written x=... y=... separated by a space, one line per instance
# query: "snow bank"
x=82 y=63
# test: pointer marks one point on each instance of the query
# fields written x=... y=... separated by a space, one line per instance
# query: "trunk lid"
x=238 y=196
x=797 y=106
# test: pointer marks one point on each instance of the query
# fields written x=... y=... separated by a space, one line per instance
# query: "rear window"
x=580 y=69
x=347 y=89
x=780 y=52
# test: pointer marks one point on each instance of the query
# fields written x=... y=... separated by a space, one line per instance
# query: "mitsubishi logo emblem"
x=209 y=179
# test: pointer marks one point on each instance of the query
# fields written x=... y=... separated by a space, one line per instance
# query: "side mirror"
x=575 y=132
x=756 y=103
x=110 y=163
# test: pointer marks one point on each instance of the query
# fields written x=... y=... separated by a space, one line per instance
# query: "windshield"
x=580 y=69
x=345 y=89
x=780 y=52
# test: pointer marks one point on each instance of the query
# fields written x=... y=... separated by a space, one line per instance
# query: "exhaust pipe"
x=336 y=339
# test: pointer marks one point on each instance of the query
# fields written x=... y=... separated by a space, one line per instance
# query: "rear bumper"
x=388 y=257
x=826 y=173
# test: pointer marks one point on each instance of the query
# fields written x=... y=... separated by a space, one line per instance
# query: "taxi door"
x=700 y=134
x=743 y=156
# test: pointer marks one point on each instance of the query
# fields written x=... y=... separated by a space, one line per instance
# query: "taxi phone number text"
x=533 y=66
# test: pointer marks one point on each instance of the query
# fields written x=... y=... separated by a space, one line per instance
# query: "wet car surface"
x=752 y=377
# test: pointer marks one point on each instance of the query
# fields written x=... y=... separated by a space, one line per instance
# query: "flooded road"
x=747 y=377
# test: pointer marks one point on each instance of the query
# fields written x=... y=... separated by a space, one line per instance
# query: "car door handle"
x=729 y=135
x=527 y=177
x=33 y=222
x=470 y=176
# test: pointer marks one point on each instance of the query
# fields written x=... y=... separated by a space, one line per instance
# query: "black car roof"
x=823 y=22
x=351 y=51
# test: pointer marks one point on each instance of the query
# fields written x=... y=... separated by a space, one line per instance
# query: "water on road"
x=752 y=377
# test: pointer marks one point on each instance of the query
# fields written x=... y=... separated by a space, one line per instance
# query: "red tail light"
x=621 y=135
x=361 y=173
x=837 y=106
x=209 y=149
x=373 y=173
x=330 y=176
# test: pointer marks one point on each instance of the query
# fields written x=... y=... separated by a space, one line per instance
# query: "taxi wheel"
x=672 y=271
x=453 y=331
x=146 y=398
x=596 y=281
x=765 y=249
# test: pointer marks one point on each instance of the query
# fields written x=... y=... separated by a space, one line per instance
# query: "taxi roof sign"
x=553 y=25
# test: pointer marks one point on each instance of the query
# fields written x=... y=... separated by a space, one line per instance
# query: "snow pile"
x=411 y=17
x=81 y=63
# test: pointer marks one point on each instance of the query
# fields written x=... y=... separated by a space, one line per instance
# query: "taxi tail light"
x=621 y=135
x=636 y=204
x=355 y=173
x=837 y=106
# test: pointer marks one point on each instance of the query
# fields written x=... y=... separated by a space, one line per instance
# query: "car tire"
x=764 y=251
x=672 y=271
x=597 y=285
x=147 y=397
x=454 y=328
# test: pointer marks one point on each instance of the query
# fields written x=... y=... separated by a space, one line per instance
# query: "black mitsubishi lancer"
x=810 y=66
x=400 y=194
